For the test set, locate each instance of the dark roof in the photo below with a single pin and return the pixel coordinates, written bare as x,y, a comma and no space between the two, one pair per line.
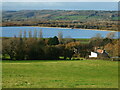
103,55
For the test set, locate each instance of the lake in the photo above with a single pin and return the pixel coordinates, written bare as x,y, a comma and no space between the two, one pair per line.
51,32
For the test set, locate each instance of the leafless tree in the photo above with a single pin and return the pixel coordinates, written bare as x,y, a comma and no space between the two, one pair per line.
30,34
110,35
60,36
40,34
24,34
35,34
20,34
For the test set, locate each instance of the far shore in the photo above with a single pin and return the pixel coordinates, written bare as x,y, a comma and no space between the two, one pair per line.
62,28
78,28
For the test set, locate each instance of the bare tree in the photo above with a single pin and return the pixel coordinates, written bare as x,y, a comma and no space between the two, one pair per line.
24,34
110,35
35,34
98,35
60,36
20,34
40,34
97,40
30,34
14,36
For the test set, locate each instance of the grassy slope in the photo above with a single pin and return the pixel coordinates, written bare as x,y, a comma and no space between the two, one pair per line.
59,14
60,74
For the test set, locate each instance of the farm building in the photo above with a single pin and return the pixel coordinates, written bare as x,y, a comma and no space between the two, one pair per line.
99,54
93,55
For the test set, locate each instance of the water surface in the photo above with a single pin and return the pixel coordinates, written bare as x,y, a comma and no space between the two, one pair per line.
51,32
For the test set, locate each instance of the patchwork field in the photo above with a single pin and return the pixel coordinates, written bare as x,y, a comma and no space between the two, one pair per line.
60,74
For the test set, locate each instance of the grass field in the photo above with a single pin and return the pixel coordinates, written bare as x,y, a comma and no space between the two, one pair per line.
60,74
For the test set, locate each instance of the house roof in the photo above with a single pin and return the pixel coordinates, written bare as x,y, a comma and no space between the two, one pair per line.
100,50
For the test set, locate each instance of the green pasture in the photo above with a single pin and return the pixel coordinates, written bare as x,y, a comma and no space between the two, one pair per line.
60,74
71,17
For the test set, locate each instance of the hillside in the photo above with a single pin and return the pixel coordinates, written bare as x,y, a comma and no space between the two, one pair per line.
88,19
59,15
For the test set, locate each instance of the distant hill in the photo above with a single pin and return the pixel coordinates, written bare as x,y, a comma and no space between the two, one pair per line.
59,15
86,19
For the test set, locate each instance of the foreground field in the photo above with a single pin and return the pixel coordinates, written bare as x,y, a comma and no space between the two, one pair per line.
60,74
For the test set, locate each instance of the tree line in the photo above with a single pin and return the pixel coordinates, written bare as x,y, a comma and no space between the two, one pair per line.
39,48
101,25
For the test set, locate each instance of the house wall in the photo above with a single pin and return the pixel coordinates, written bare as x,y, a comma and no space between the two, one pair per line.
93,54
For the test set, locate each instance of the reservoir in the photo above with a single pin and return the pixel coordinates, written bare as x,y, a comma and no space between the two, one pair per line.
48,32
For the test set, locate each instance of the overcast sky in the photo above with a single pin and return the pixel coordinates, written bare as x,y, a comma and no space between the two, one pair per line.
60,5
59,0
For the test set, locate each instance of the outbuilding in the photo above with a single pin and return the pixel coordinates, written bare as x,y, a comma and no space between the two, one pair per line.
99,54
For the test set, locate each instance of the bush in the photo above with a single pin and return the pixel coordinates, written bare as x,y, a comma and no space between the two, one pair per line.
52,53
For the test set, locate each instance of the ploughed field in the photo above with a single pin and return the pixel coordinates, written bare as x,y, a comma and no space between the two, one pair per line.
60,74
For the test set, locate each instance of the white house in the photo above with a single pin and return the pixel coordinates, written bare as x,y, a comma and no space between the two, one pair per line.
93,54
99,54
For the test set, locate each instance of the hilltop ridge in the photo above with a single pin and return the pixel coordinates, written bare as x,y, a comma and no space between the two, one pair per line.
87,19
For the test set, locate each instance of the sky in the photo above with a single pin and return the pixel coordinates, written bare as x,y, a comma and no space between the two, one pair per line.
59,5
59,0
